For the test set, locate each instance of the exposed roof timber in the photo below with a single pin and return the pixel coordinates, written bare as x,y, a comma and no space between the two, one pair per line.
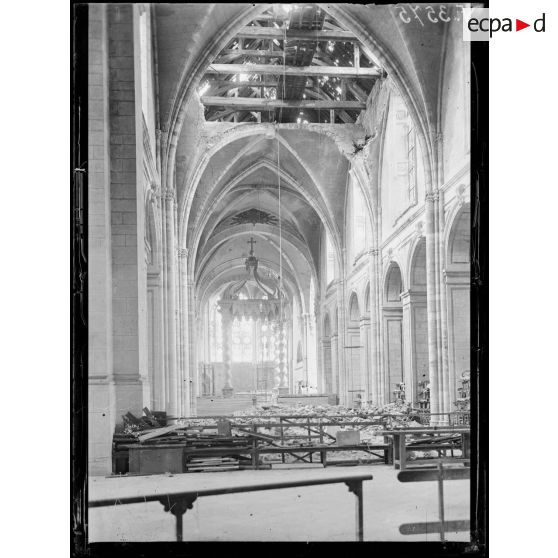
229,84
252,52
244,103
323,95
272,17
271,33
221,114
279,70
226,85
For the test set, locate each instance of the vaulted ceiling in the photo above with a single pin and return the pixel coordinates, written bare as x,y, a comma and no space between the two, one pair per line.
291,180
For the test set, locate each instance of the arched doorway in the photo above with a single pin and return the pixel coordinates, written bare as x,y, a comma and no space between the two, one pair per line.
457,274
415,322
392,317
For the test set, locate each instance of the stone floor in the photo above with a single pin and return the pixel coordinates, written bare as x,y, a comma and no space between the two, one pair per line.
321,513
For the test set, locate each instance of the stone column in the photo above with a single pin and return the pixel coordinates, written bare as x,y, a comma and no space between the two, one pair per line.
436,396
342,342
226,326
319,354
183,345
311,349
168,202
101,408
442,387
365,357
334,363
127,193
448,380
326,376
407,335
156,366
191,329
290,355
376,379
303,321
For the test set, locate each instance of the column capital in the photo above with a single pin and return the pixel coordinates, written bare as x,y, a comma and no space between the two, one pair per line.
373,252
182,253
432,196
168,194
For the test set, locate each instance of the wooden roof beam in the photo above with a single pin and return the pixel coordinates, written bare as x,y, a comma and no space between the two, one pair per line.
296,35
228,84
279,70
256,104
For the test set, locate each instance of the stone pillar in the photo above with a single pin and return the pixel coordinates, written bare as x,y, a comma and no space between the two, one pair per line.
127,188
407,334
365,357
436,396
319,354
191,330
226,326
334,363
303,321
311,349
376,373
290,355
185,390
442,383
342,342
156,342
101,411
449,380
327,373
168,204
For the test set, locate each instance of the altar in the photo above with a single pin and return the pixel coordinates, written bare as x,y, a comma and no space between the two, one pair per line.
258,310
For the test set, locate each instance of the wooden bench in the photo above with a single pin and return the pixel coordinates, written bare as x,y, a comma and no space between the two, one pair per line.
178,494
322,449
401,447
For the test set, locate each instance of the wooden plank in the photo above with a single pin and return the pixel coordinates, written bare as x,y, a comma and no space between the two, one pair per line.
107,494
425,475
229,84
159,432
278,69
435,527
248,103
431,430
295,35
252,52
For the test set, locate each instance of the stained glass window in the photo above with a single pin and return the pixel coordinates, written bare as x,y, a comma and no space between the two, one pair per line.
242,335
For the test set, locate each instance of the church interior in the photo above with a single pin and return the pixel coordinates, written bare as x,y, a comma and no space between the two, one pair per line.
278,230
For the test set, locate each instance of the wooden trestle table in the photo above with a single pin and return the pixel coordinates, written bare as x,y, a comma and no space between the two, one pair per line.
178,493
